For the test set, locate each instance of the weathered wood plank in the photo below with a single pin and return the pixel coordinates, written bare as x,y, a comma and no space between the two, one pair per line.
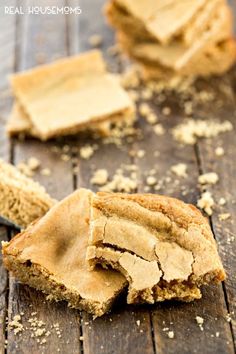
3,294
7,54
226,170
43,39
180,318
118,332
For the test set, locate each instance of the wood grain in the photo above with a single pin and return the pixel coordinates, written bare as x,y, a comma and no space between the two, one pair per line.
226,187
181,318
143,329
7,59
43,39
3,294
119,331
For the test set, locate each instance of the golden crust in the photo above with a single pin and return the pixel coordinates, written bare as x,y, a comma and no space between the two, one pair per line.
141,232
176,210
50,256
22,200
68,96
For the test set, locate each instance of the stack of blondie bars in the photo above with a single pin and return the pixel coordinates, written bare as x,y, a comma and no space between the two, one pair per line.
171,38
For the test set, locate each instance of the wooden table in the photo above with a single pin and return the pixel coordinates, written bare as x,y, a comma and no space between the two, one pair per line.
26,41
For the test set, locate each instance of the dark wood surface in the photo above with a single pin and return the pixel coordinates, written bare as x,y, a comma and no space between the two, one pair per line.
26,41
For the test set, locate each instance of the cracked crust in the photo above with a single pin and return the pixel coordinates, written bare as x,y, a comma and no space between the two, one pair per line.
139,233
50,256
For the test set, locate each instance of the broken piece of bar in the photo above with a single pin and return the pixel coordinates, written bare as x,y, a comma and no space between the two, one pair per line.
160,20
164,247
168,39
22,200
67,96
50,256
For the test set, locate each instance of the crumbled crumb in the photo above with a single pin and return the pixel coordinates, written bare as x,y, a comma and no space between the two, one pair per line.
100,177
33,163
146,93
189,131
45,172
206,202
208,178
138,323
180,170
188,107
224,216
140,153
166,111
120,183
16,324
39,332
159,129
144,109
217,334
222,201
152,118
200,321
65,157
171,334
219,151
151,180
86,152
95,40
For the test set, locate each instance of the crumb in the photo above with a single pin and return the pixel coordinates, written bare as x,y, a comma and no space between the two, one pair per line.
138,323
208,178
171,334
166,111
144,109
151,181
152,118
219,151
222,201
206,202
146,93
33,163
159,129
95,40
188,132
120,183
65,157
180,170
16,324
86,152
224,216
100,177
200,320
45,172
140,153
188,107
